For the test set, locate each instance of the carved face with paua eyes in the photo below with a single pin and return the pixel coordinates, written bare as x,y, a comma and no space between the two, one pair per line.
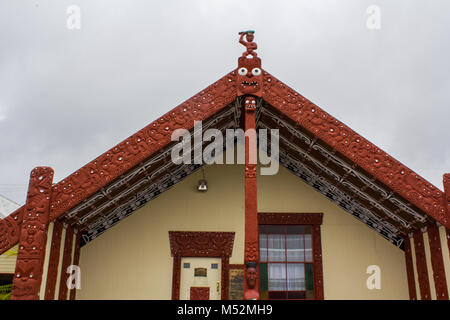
249,76
250,103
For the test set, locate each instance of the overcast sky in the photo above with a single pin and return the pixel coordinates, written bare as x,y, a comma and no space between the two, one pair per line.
66,96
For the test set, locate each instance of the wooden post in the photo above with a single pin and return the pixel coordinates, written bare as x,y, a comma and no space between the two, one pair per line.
251,274
66,262
33,236
437,263
76,261
421,263
410,269
53,264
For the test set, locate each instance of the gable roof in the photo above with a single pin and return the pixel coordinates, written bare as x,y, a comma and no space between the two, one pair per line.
390,197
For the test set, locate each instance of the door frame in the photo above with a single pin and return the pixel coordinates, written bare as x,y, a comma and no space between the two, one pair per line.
201,244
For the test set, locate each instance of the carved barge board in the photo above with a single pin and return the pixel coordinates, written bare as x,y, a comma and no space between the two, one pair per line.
33,237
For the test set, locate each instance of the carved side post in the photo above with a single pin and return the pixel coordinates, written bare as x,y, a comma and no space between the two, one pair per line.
437,263
421,264
52,272
66,261
76,261
410,269
251,276
33,236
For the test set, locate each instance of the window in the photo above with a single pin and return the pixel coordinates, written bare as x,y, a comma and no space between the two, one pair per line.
286,262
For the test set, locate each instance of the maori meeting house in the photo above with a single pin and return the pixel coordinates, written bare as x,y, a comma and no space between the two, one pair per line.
340,219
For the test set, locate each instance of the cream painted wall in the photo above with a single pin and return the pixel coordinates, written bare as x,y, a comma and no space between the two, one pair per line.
8,260
132,260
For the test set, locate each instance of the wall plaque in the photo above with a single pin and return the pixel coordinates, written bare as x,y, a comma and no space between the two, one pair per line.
200,272
236,283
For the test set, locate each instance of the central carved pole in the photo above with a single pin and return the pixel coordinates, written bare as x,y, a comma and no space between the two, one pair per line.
249,83
251,290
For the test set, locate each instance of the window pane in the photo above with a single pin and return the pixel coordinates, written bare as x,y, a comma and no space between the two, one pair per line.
263,247
276,248
309,281
295,247
296,276
277,277
308,246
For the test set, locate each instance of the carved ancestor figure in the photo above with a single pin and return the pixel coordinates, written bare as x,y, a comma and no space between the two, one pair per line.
249,74
249,44
250,277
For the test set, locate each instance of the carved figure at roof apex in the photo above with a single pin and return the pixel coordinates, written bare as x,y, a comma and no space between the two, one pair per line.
249,44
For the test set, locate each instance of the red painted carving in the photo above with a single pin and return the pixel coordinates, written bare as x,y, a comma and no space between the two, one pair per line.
317,263
421,264
225,277
410,269
446,181
66,261
52,272
251,283
249,77
33,237
199,293
200,244
249,73
357,149
10,230
437,263
176,277
249,44
290,218
76,261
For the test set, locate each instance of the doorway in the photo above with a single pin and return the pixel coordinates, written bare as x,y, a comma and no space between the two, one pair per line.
200,278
